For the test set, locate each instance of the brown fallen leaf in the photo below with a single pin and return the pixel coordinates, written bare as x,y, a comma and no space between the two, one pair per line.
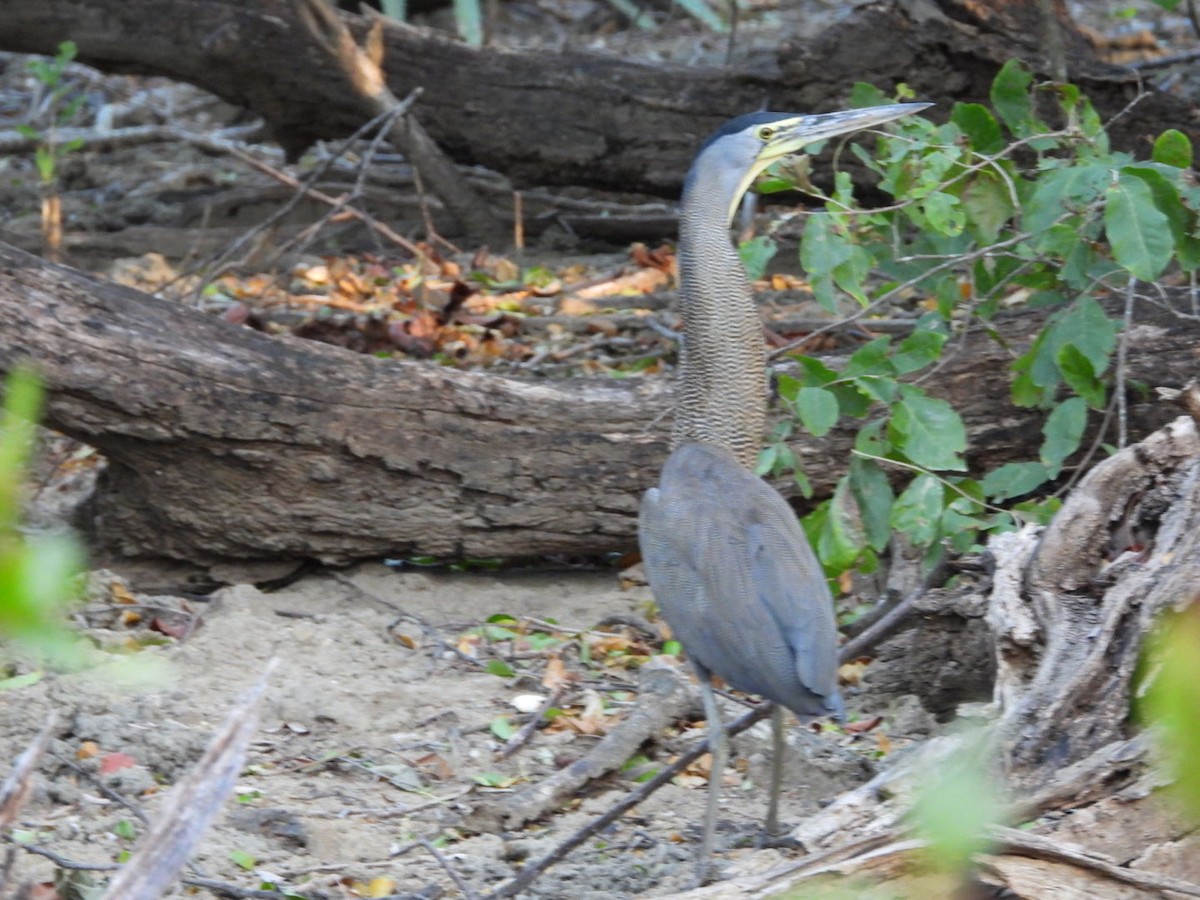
556,674
115,762
851,673
862,725
173,628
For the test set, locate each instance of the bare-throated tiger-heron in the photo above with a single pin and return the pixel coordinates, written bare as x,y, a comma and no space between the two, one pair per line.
729,566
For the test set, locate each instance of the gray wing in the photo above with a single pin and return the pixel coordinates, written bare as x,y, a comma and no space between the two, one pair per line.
737,582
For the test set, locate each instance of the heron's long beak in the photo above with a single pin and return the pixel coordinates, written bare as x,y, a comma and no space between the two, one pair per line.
792,135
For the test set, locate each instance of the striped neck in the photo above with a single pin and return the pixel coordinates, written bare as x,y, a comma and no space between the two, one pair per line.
722,389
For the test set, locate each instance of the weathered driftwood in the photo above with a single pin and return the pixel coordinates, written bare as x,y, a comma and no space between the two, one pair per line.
224,443
666,695
570,116
1070,610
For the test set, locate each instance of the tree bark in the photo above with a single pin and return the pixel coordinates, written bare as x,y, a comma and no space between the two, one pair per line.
574,117
225,443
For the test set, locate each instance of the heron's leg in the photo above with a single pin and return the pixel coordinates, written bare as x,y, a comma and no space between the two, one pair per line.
718,746
777,747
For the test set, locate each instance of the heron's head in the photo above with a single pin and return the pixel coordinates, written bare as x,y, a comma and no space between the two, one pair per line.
745,146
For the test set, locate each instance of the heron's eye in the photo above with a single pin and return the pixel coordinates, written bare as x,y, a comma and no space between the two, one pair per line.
764,133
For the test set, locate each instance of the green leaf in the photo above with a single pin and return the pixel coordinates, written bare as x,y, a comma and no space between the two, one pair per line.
980,127
756,253
1085,326
927,430
851,275
822,249
842,538
817,409
1063,190
1079,375
874,495
1063,430
124,829
20,681
864,94
640,762
1182,220
870,439
1040,512
816,373
767,458
944,213
1014,480
851,400
1010,97
672,648
502,728
242,859
499,667
1173,148
917,351
491,779
1137,230
1088,327
870,359
988,205
918,510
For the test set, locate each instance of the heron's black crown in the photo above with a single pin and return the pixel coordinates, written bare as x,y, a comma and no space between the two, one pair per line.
742,122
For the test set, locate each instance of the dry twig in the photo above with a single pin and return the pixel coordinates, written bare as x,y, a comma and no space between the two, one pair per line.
191,804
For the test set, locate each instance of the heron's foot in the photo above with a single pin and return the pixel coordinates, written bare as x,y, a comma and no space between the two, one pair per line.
706,871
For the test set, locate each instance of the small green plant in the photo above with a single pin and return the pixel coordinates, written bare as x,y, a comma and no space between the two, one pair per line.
955,806
993,207
59,107
1171,700
37,572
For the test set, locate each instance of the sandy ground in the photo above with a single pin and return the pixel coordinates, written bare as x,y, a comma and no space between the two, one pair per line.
375,732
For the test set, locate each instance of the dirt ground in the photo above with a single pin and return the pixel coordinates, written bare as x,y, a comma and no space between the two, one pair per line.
382,723
377,731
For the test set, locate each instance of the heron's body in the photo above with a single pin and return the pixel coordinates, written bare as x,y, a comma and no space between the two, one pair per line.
738,583
728,563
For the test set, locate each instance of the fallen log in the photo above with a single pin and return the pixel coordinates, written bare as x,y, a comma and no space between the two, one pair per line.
571,116
227,444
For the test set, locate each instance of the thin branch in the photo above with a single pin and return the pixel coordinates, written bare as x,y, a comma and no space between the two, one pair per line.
521,738
891,621
16,787
450,870
1039,846
532,871
901,289
1122,347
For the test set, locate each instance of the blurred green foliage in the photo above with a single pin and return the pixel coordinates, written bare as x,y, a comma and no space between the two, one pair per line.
1171,700
37,572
